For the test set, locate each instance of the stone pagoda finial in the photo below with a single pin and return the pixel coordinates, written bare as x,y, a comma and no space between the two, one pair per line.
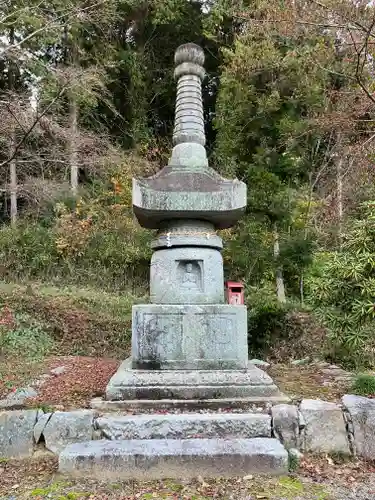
188,137
187,189
189,73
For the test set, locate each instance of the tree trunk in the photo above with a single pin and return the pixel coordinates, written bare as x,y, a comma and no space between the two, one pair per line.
70,59
13,142
280,288
72,145
13,182
340,210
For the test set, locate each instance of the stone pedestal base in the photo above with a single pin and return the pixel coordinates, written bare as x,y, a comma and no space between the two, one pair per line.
189,337
130,384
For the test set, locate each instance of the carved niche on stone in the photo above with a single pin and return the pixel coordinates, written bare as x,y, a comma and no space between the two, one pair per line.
189,275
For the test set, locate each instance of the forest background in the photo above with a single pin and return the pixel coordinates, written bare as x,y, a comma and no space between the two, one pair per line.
87,101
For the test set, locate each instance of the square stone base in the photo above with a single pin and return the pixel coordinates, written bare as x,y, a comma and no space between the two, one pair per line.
189,337
130,384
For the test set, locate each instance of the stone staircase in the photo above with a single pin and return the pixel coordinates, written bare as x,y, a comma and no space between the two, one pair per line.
184,445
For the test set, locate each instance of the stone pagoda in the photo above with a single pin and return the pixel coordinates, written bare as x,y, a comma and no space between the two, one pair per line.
189,348
187,343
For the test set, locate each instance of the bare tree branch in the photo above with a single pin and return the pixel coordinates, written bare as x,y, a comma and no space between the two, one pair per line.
55,23
32,127
361,60
6,18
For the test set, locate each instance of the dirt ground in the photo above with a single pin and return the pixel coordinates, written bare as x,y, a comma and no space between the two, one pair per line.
82,378
317,479
78,379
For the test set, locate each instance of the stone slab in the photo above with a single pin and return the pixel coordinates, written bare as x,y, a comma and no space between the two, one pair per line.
40,426
68,427
127,383
17,433
285,422
172,458
189,337
185,426
325,430
362,415
17,399
250,403
197,193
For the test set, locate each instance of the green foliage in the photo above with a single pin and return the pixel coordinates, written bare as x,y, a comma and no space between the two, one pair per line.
26,336
57,490
341,285
248,252
268,94
27,251
94,240
265,124
82,321
293,462
268,320
364,385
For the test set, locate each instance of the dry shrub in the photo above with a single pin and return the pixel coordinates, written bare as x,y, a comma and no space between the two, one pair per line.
306,338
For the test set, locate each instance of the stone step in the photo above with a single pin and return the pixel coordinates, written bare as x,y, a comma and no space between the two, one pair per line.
173,458
248,403
129,383
185,425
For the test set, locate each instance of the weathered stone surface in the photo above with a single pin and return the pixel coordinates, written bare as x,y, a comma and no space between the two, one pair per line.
325,430
299,362
259,362
64,428
59,370
189,71
285,422
252,375
185,426
187,233
188,275
335,372
248,403
197,194
17,399
189,337
362,414
16,433
42,421
172,458
189,384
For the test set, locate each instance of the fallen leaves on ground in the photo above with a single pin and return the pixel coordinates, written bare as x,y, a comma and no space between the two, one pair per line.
82,379
328,467
87,377
306,382
15,374
38,479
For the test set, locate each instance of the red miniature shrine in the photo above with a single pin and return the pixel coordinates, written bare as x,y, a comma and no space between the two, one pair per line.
235,294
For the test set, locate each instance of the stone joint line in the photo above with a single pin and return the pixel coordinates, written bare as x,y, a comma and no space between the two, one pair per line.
311,426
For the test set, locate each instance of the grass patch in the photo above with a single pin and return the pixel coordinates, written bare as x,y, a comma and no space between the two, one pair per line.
24,344
287,488
25,336
364,385
16,372
81,321
58,491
